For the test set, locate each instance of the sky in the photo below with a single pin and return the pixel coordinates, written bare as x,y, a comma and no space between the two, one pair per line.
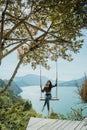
66,70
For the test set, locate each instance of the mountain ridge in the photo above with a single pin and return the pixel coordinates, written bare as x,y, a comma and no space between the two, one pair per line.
73,82
33,79
29,80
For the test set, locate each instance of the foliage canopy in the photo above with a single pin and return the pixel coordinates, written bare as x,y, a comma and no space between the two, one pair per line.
42,29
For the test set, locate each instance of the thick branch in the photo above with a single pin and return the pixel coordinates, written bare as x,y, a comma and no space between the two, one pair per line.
28,31
2,23
2,28
8,33
13,49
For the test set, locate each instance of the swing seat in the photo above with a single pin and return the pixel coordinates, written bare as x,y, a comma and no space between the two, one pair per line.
53,99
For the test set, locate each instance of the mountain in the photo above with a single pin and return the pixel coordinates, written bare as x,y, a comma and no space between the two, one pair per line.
31,80
72,82
16,90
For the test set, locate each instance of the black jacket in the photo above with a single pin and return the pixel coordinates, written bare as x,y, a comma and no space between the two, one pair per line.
48,89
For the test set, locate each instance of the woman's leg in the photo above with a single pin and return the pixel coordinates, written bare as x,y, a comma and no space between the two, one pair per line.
47,98
48,104
44,103
47,101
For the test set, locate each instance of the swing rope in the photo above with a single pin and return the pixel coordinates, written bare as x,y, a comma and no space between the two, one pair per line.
40,82
56,77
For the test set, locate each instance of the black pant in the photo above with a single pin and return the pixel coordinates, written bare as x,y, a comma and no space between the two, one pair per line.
47,98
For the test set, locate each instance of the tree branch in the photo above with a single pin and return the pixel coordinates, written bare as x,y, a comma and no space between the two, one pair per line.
2,28
13,49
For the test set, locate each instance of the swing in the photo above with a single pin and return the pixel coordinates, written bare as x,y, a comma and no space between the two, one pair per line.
56,96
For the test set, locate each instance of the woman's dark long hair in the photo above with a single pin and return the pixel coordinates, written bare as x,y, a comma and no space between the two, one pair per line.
50,86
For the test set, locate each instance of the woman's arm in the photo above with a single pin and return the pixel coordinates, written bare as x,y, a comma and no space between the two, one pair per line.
54,85
42,90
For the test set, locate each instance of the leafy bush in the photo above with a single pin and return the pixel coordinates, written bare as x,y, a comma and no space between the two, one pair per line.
54,115
72,115
15,114
83,91
75,114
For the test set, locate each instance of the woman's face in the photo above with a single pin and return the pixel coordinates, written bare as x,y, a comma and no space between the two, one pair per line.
47,84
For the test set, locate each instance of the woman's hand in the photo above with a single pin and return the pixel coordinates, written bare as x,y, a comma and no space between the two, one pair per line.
55,84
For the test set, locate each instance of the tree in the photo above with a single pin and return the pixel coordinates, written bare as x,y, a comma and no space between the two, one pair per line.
82,91
39,30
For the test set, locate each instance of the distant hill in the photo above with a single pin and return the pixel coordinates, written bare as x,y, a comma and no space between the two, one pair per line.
72,82
32,79
16,90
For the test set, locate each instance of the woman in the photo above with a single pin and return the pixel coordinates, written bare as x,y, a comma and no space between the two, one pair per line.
48,95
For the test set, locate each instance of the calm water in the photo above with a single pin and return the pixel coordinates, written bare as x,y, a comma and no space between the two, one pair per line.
68,98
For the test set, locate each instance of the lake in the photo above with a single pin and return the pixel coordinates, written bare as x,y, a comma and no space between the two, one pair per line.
68,98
